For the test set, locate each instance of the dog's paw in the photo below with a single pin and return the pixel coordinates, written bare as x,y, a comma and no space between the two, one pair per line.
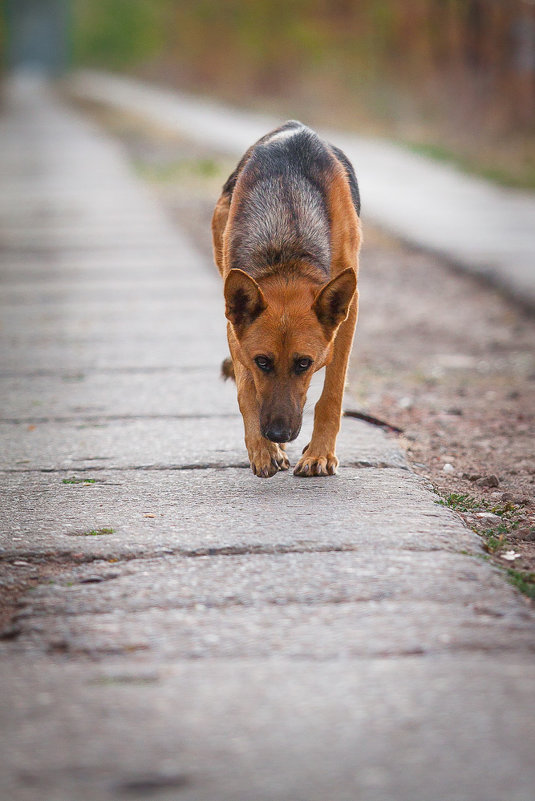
267,459
310,465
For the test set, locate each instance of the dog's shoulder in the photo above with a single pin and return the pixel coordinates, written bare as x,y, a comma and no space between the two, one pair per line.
292,151
350,175
277,134
281,199
293,147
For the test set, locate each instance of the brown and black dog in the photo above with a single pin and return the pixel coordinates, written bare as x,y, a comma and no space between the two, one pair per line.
286,234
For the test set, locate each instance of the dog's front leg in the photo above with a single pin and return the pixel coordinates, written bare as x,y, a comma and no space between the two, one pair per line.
319,457
266,457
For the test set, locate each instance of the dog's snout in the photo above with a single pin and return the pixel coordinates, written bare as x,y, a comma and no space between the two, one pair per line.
278,431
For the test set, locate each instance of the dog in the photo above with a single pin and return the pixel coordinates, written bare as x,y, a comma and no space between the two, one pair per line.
286,236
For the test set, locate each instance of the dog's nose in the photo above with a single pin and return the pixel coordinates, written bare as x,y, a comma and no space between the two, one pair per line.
278,432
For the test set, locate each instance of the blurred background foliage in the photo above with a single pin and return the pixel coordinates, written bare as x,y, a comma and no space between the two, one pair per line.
453,78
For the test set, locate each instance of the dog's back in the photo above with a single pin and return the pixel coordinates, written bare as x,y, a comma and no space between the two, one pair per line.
280,199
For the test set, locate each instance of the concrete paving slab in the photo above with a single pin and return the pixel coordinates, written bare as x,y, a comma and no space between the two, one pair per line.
98,397
342,729
107,267
301,577
121,353
313,632
78,319
195,441
198,511
109,289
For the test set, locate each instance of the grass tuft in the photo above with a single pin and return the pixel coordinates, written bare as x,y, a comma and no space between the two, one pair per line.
461,503
98,532
525,582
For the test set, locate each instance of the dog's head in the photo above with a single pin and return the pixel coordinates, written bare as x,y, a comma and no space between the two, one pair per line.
285,332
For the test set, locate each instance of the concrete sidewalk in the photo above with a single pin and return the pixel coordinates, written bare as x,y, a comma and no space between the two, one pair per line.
222,638
479,226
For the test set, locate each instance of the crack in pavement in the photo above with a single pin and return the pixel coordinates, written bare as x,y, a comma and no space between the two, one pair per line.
96,418
205,604
73,375
363,463
125,468
76,558
63,647
30,612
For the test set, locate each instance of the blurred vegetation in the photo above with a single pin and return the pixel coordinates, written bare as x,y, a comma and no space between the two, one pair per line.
455,77
118,33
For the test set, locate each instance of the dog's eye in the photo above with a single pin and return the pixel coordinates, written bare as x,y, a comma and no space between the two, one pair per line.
264,363
302,365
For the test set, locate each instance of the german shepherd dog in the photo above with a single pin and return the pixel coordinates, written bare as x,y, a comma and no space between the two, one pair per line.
286,235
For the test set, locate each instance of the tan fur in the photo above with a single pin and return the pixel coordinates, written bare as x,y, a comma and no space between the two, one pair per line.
219,222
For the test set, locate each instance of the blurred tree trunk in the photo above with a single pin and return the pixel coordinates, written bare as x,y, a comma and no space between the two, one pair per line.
522,62
38,34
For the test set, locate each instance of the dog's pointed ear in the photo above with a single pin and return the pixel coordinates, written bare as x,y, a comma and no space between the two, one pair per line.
244,300
332,302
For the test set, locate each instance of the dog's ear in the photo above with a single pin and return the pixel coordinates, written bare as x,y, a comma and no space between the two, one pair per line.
244,300
332,303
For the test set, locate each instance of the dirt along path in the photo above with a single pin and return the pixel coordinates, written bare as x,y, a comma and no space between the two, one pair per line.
439,354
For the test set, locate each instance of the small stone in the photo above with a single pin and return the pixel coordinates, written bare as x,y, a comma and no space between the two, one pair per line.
405,403
507,497
488,481
448,468
510,556
92,579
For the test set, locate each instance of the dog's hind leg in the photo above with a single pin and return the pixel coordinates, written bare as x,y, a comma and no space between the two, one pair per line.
227,369
219,222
